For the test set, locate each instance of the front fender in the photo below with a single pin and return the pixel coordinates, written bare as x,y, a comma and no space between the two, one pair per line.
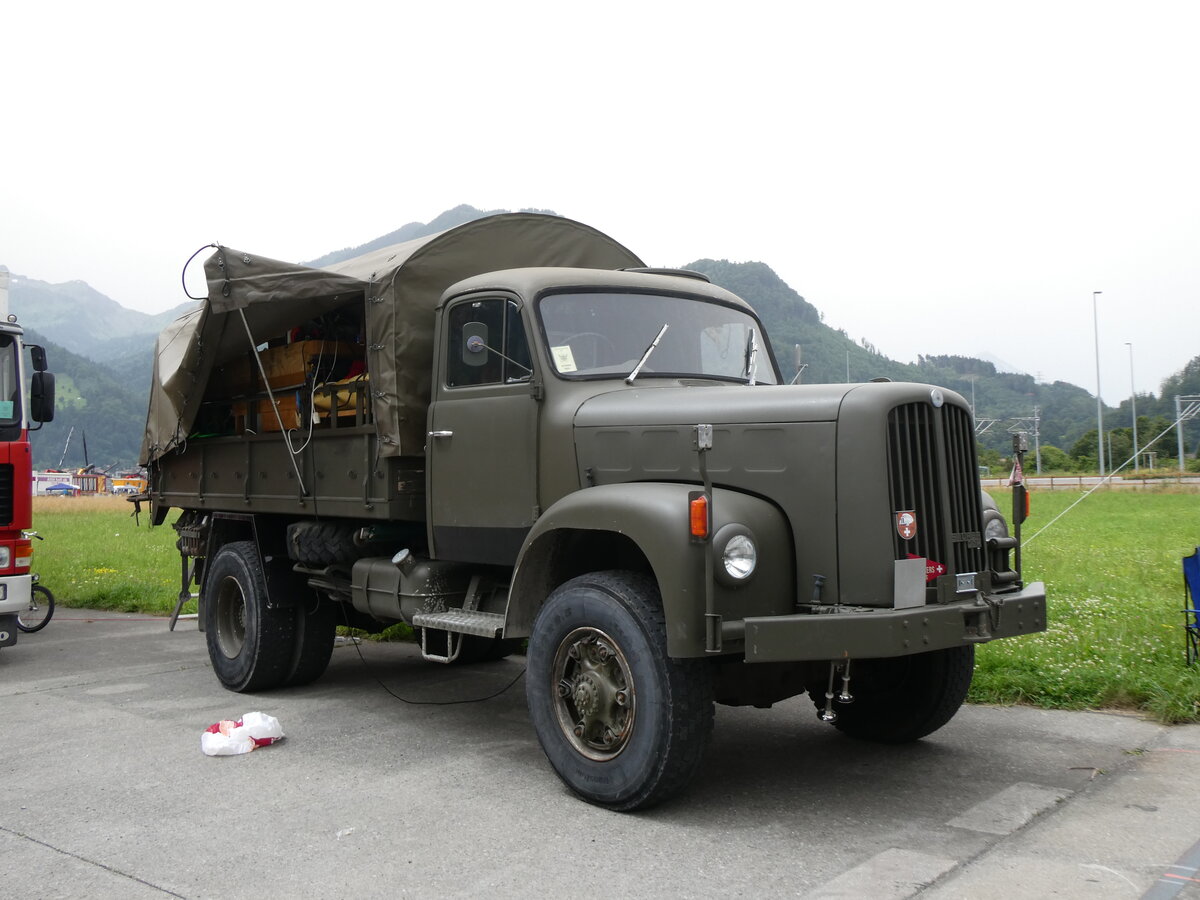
654,517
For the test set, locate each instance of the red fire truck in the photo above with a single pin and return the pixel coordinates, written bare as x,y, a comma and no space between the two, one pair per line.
17,411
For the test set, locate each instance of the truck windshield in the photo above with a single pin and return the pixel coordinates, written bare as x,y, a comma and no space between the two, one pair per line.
603,335
10,393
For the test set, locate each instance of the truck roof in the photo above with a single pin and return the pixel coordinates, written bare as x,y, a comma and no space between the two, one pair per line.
529,282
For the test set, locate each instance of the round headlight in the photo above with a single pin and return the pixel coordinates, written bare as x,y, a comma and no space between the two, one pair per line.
740,557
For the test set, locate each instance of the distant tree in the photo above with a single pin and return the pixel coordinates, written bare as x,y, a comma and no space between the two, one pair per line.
1055,460
991,458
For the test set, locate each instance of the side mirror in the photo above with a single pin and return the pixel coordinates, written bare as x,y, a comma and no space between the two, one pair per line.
38,355
474,352
41,395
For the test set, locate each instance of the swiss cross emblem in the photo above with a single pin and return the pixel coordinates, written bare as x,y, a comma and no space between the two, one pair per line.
906,524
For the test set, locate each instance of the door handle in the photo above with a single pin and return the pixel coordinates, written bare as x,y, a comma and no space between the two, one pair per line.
438,434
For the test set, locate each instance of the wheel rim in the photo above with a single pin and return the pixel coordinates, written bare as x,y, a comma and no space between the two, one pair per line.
595,696
231,618
35,613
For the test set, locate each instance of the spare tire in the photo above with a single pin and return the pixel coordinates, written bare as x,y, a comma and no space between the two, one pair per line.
319,544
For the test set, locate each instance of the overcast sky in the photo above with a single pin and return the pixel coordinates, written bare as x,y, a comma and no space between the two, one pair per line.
934,177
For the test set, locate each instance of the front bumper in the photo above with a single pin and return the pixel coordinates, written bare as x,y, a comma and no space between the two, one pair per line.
861,633
14,593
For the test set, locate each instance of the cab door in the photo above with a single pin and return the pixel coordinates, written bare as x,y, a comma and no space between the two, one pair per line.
481,446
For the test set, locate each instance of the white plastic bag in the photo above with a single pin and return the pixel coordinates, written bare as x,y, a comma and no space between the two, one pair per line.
229,738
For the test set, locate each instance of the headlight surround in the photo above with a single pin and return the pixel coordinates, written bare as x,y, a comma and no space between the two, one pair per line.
737,555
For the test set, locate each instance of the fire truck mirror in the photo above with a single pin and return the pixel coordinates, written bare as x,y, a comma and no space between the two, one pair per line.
38,355
41,396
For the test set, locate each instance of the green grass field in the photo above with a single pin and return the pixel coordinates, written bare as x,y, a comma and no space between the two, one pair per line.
1115,596
1111,567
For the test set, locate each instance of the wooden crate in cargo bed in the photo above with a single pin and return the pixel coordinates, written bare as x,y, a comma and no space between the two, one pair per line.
288,365
264,419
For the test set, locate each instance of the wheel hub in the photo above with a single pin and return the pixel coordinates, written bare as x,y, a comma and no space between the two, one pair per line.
231,618
595,693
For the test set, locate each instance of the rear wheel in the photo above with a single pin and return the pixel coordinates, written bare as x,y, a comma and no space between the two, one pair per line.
623,724
904,698
316,624
37,614
251,647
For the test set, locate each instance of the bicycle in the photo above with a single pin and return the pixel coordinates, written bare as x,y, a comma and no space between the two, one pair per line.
37,615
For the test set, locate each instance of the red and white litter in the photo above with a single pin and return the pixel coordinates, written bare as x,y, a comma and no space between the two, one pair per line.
251,731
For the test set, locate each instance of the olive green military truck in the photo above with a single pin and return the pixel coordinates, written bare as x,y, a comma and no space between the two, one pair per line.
512,435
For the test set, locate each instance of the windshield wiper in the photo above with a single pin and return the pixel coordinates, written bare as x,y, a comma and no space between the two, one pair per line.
751,358
646,355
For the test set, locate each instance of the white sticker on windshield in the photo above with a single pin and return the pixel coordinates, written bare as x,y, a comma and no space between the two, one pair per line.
564,359
6,409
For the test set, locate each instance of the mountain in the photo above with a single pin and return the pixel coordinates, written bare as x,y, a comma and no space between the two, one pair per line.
102,355
451,218
76,316
106,409
828,355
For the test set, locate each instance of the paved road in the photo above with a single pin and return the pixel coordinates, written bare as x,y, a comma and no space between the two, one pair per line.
105,792
1088,482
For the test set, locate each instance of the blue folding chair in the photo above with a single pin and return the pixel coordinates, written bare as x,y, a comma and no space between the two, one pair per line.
1191,593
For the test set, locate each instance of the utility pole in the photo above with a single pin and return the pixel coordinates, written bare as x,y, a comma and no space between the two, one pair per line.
1133,406
1099,402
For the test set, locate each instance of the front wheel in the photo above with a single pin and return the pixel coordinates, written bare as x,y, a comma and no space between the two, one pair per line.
904,698
37,615
624,725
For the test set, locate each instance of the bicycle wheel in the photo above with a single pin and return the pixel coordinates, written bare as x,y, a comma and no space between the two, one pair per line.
39,611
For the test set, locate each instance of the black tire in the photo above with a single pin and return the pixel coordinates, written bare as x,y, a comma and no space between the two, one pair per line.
904,698
316,625
37,615
623,724
251,647
322,543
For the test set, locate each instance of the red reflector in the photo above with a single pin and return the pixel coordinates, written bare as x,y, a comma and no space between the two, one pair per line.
1027,505
698,517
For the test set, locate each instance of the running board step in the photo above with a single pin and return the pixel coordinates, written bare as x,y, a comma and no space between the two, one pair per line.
447,630
462,621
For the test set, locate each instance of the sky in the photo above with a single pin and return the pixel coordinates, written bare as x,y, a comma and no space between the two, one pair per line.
935,177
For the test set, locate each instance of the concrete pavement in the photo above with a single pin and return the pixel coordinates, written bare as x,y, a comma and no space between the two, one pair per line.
106,793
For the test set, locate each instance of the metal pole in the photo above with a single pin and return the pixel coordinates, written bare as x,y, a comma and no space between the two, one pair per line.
1133,405
1037,438
1099,402
1179,429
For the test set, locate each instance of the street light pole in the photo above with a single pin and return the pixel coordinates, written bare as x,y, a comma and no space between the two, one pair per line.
1133,405
1099,402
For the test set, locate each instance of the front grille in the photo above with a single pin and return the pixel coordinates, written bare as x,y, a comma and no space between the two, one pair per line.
932,471
6,493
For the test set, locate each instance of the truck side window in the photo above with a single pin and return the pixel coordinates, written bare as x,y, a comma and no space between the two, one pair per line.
481,334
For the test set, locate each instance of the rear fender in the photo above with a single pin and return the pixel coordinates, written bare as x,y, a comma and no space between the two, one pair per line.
284,587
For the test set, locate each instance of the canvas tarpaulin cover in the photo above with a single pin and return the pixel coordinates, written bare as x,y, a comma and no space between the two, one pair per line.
397,287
